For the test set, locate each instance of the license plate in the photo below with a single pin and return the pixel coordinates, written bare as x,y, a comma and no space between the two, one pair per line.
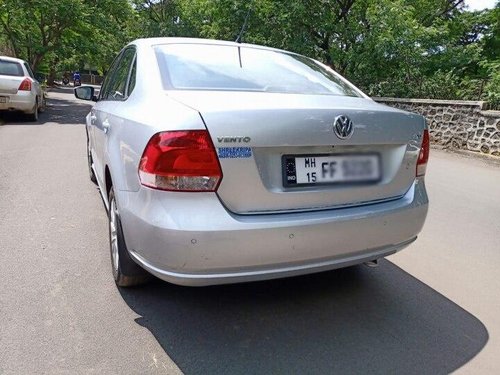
3,99
307,170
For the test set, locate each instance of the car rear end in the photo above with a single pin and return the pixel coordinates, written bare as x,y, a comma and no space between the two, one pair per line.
16,87
276,180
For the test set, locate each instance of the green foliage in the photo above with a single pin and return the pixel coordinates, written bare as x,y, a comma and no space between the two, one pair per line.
406,48
63,34
492,88
35,28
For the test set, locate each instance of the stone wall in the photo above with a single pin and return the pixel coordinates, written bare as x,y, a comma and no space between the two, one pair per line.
463,125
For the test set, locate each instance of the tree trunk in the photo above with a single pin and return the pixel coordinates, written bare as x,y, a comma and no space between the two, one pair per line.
52,71
52,76
37,59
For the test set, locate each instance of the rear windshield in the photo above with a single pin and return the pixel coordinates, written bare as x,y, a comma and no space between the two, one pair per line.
233,68
11,68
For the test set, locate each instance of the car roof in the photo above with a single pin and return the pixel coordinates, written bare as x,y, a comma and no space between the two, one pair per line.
151,42
13,59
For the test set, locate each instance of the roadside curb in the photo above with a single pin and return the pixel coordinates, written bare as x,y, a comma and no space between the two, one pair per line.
469,154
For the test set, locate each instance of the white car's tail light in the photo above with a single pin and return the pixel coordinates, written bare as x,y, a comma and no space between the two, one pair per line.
423,156
180,161
25,85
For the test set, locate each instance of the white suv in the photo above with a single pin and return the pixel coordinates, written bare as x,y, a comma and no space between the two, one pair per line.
19,90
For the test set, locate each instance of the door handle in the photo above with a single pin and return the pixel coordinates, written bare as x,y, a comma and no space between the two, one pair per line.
93,118
105,126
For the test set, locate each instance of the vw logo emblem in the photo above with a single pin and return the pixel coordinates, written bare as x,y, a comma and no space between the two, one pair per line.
343,127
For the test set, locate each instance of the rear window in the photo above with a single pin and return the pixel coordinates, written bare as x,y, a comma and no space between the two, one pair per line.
11,68
233,68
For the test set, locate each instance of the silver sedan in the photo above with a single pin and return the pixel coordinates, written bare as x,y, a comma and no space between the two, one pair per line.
221,162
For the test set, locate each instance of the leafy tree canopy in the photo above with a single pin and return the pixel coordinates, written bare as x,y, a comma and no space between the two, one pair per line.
406,48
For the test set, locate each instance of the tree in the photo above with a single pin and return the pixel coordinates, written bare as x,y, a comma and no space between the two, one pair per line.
419,48
159,18
50,34
35,28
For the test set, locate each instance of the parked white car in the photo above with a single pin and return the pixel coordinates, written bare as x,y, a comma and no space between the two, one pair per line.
19,90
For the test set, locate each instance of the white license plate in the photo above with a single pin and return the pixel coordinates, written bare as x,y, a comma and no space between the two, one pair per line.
329,169
3,99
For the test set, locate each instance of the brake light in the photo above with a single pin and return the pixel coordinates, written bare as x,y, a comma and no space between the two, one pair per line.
25,85
423,156
180,161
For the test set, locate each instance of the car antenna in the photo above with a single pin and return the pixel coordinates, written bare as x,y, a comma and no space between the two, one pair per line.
244,27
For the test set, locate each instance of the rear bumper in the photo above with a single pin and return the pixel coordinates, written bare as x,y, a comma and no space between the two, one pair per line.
191,239
23,101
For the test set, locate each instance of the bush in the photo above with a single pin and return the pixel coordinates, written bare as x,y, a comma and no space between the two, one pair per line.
492,88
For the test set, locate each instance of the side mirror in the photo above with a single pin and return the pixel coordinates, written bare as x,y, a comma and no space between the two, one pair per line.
85,93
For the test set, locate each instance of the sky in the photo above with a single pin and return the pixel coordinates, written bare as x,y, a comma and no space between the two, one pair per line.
480,4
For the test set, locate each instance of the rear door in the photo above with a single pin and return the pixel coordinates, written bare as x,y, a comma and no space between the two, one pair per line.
114,92
98,116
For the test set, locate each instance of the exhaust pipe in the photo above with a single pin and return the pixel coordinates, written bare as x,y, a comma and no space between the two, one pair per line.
371,263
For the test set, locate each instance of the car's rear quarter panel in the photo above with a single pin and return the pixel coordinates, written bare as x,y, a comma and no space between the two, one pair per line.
133,124
146,112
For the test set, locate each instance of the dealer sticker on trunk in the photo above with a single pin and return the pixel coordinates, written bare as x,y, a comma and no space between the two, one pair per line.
234,152
307,170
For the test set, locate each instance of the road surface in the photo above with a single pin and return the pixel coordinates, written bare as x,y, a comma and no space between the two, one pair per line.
433,308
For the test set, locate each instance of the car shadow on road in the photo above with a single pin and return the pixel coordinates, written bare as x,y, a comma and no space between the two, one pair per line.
354,320
59,111
67,112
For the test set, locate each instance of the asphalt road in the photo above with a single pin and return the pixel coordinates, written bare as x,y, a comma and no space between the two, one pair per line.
433,308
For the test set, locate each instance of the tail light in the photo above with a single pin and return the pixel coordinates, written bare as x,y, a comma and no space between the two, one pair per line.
25,85
423,156
180,161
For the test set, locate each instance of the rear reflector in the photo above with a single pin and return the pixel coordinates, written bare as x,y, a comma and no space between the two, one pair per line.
180,161
25,85
423,156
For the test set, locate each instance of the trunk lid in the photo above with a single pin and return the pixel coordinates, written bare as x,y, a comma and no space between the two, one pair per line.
254,131
11,76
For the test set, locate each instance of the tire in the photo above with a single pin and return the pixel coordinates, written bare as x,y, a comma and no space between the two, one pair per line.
90,162
125,271
34,116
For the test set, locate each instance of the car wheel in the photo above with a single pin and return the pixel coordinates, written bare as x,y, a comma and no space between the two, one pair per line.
90,163
125,271
34,115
